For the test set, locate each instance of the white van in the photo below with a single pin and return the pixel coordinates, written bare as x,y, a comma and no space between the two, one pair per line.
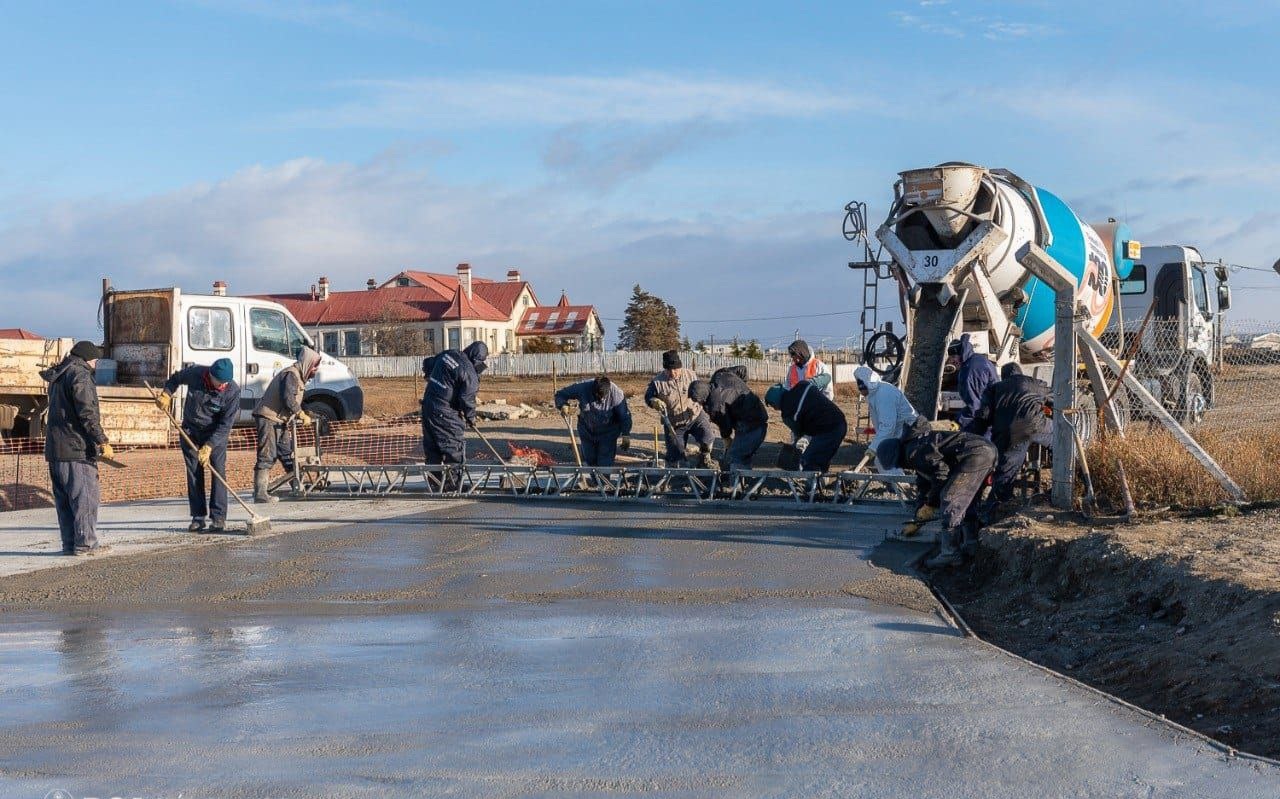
151,333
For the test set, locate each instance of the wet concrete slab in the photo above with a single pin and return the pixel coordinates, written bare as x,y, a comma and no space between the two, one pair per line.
504,649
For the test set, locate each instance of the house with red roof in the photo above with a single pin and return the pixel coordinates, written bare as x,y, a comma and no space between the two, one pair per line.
417,312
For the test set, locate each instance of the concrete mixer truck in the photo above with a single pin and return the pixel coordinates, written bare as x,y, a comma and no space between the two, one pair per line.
952,234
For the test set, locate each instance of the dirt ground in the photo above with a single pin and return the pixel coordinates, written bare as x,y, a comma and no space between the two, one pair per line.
1180,616
391,397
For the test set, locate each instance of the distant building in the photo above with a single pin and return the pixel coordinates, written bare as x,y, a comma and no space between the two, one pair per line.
424,312
12,333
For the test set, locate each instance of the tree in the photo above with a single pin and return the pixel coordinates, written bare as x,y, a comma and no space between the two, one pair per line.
701,346
753,351
736,349
392,336
650,323
542,344
685,345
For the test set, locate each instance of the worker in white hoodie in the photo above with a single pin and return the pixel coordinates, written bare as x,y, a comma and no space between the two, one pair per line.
891,414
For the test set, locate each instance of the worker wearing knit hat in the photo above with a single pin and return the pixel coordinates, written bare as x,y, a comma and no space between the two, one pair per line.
211,407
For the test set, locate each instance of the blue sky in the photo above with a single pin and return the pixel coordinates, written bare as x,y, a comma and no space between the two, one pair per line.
704,151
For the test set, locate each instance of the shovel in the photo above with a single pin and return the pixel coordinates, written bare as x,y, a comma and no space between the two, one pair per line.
476,428
256,523
573,439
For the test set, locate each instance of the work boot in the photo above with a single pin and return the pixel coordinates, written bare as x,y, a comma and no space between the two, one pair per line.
295,487
261,480
100,549
218,526
197,524
949,552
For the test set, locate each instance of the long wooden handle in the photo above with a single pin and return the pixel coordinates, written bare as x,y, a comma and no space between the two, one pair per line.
174,421
577,455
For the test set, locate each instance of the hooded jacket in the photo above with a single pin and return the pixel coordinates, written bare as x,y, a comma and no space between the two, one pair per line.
935,454
731,404
891,413
600,418
674,391
74,428
812,370
283,397
808,412
976,373
207,414
1013,406
454,381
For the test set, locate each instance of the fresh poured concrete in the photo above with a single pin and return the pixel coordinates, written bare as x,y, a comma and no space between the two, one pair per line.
499,649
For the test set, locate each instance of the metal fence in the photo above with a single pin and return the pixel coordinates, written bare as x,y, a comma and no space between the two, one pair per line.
573,363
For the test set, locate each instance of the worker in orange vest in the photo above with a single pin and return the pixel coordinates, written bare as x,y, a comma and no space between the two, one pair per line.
806,366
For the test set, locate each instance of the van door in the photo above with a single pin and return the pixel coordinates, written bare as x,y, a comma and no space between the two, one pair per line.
207,331
269,351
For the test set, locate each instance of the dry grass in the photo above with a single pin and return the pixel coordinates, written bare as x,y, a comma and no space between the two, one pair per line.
1162,473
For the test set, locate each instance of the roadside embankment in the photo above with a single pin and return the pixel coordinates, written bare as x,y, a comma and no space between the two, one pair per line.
1180,616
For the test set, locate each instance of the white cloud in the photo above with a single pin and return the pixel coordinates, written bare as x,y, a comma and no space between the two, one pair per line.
519,99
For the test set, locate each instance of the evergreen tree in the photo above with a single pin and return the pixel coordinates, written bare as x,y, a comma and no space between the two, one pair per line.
650,323
753,351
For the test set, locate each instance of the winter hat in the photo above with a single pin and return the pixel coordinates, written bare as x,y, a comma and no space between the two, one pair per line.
699,390
671,360
1009,370
86,350
773,397
222,370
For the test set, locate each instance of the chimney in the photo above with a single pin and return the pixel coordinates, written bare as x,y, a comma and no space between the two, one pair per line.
372,285
219,288
313,292
323,294
464,279
513,275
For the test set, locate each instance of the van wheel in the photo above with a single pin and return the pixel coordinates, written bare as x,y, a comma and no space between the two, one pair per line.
1195,402
323,414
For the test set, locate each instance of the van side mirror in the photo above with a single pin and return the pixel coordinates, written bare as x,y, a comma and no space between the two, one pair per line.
1224,296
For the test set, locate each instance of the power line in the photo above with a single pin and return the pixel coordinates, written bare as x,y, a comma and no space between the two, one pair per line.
801,315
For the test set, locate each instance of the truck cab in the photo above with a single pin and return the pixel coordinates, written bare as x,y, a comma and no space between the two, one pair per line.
152,333
1179,343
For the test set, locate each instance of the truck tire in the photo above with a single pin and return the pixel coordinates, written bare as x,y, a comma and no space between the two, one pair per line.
323,413
1194,401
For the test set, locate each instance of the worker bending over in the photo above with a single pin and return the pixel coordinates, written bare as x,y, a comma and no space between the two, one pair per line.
209,411
806,366
736,410
951,468
974,372
449,402
684,419
890,411
604,420
818,425
1013,409
281,403
73,442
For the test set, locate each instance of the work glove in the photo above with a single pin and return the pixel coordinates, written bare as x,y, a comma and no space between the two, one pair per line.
303,418
910,529
658,405
203,455
802,443
925,513
107,451
563,410
624,443
164,401
471,423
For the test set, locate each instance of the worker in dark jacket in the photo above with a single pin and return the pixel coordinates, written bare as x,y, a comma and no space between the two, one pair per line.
737,411
951,468
975,372
73,442
209,411
819,426
281,404
604,420
1013,409
449,402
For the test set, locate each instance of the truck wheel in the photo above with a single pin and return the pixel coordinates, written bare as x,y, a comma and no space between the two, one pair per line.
1195,402
323,414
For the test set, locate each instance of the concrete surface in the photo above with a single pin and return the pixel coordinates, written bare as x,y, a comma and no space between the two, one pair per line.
501,649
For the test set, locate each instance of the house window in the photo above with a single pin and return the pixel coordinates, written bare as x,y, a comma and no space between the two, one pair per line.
351,342
532,321
551,320
454,334
525,301
268,332
331,343
570,319
402,282
511,340
209,329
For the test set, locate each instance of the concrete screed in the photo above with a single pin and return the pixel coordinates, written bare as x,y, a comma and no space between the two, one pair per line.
498,648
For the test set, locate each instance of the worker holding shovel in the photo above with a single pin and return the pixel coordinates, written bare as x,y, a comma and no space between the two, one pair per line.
604,420
209,410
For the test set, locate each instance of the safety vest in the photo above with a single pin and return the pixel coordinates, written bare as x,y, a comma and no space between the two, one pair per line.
810,370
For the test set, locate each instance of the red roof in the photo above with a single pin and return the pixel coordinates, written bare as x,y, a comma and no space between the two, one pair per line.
501,294
473,307
555,320
19,333
409,304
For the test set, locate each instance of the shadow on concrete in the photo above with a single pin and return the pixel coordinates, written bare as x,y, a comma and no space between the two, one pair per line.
909,627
